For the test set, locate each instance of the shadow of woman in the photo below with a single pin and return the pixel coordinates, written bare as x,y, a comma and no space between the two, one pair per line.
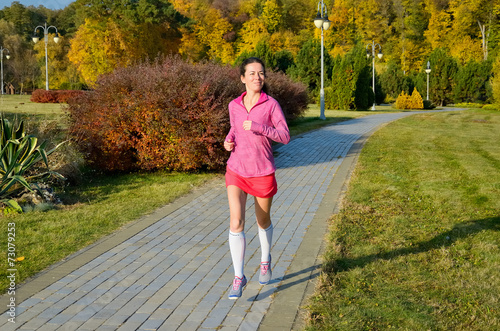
445,239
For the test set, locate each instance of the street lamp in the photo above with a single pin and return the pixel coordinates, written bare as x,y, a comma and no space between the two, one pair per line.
35,38
1,60
321,21
428,71
374,46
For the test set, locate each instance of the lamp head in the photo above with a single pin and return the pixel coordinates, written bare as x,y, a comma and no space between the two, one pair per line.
428,69
56,38
380,54
7,56
326,23
318,21
35,38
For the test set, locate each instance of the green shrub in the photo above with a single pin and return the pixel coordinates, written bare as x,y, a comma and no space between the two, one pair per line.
469,105
428,104
492,107
167,115
19,155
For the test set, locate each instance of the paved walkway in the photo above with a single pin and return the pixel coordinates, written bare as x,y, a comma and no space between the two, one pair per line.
171,270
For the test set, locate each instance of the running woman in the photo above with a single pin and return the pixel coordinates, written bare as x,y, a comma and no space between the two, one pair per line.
256,120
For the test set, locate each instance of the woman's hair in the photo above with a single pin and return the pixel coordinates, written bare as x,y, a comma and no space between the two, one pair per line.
243,68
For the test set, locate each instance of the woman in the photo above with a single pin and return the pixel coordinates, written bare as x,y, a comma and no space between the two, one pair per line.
256,119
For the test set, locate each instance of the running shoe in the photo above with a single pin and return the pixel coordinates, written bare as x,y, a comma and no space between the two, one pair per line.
237,288
265,272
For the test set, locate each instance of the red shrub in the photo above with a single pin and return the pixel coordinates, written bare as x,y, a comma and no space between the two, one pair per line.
169,115
53,96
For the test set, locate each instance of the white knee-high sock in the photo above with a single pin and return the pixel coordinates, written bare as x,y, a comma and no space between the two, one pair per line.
265,238
237,245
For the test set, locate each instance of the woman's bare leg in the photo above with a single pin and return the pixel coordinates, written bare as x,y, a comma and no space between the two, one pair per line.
237,242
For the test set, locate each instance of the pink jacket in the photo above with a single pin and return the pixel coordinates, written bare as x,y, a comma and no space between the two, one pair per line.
252,155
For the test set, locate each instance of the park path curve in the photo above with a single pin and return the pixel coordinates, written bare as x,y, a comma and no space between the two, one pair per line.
171,270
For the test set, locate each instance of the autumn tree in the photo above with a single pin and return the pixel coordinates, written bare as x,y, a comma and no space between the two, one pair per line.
115,35
472,21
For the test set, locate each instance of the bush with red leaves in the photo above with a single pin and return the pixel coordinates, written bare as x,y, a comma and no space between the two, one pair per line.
53,96
166,115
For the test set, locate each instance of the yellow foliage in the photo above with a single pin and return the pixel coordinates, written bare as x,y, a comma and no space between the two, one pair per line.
271,15
495,80
284,40
251,33
465,49
413,101
438,32
211,31
96,49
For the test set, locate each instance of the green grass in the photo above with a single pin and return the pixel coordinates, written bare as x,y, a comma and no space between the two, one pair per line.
416,243
22,106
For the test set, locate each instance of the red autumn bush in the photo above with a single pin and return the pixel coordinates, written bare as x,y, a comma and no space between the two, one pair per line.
53,96
166,115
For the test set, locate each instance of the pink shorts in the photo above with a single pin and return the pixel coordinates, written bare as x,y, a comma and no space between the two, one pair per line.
261,187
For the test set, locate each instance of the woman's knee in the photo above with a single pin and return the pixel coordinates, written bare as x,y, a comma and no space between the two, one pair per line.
237,225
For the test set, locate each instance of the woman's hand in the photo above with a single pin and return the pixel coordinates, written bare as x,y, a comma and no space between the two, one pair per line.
229,145
247,125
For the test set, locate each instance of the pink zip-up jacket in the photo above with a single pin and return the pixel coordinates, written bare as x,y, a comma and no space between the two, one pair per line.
252,155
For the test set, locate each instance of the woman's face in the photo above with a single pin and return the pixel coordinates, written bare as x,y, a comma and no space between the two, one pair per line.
254,77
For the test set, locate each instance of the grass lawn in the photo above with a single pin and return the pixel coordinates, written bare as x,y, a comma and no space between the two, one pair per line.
416,245
103,203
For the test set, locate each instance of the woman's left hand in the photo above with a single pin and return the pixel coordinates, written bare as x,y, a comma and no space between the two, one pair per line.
247,125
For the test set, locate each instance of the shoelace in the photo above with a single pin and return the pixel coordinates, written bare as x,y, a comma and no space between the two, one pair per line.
236,283
264,267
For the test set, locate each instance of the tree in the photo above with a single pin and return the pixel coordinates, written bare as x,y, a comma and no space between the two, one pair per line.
252,32
211,31
393,80
351,77
472,82
469,15
271,16
495,80
442,77
307,67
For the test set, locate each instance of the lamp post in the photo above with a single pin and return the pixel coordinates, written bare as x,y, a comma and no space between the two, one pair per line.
428,71
1,60
35,38
321,21
374,47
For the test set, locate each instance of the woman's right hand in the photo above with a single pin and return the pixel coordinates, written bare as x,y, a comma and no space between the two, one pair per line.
229,145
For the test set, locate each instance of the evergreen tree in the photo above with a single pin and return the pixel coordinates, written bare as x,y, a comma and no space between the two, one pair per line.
307,67
442,77
472,82
351,81
394,81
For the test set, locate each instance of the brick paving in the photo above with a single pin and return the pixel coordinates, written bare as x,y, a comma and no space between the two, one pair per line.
175,273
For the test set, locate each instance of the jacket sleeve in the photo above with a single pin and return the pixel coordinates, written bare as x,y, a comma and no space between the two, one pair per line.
278,131
231,135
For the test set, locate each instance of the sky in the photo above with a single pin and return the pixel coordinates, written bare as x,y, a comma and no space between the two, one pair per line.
52,4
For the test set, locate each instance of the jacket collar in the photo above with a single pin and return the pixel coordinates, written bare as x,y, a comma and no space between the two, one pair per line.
263,98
